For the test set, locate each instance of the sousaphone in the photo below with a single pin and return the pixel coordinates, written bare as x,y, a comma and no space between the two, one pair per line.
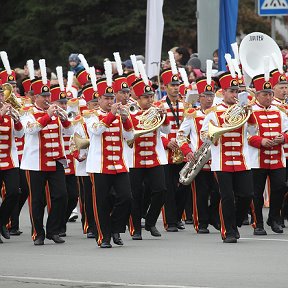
252,50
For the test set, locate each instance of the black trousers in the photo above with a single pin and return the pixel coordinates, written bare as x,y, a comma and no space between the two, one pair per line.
88,221
58,195
234,186
206,189
176,195
277,191
111,220
10,178
22,197
72,198
156,178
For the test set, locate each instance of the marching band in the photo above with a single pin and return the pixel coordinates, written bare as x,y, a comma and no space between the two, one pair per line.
126,155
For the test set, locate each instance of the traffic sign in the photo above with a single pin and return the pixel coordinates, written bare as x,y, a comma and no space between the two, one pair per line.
272,7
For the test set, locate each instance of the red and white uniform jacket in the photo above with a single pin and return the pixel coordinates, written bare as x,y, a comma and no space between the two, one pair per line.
107,133
20,146
231,152
8,151
283,107
80,163
191,127
44,143
70,169
148,150
271,122
173,123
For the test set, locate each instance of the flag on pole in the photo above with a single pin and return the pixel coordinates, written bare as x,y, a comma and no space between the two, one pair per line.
228,13
154,35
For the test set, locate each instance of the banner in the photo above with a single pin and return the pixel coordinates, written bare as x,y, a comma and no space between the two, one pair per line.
228,15
154,35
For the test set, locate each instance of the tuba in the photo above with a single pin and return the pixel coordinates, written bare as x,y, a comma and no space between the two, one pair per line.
253,48
192,168
150,120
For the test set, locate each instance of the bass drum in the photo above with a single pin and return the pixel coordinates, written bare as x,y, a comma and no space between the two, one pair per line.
253,48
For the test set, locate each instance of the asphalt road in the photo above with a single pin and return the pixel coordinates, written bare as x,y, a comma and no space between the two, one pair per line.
182,259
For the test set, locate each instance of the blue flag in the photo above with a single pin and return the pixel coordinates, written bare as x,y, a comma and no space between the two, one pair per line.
227,30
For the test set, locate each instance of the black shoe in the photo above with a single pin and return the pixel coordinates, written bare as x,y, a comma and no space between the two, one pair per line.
189,222
4,232
172,229
39,241
237,234
153,230
62,234
105,245
216,225
56,238
117,239
275,227
73,217
1,242
230,239
91,235
258,231
203,231
246,221
15,232
137,236
180,225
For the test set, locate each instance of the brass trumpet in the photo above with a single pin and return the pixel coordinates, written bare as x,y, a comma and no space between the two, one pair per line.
64,115
12,112
10,98
126,110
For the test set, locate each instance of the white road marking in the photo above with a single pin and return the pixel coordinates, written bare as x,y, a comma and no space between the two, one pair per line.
12,277
265,239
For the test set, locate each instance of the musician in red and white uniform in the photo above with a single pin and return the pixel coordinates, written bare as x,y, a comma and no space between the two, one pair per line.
176,194
24,189
13,223
10,128
146,162
43,158
205,185
267,154
230,161
80,155
108,164
59,97
280,88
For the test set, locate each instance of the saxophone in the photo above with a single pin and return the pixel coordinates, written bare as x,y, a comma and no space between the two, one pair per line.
234,117
193,167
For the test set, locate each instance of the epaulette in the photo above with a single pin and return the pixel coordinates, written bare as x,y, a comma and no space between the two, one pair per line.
26,110
77,119
211,109
89,113
157,103
73,102
281,108
190,113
